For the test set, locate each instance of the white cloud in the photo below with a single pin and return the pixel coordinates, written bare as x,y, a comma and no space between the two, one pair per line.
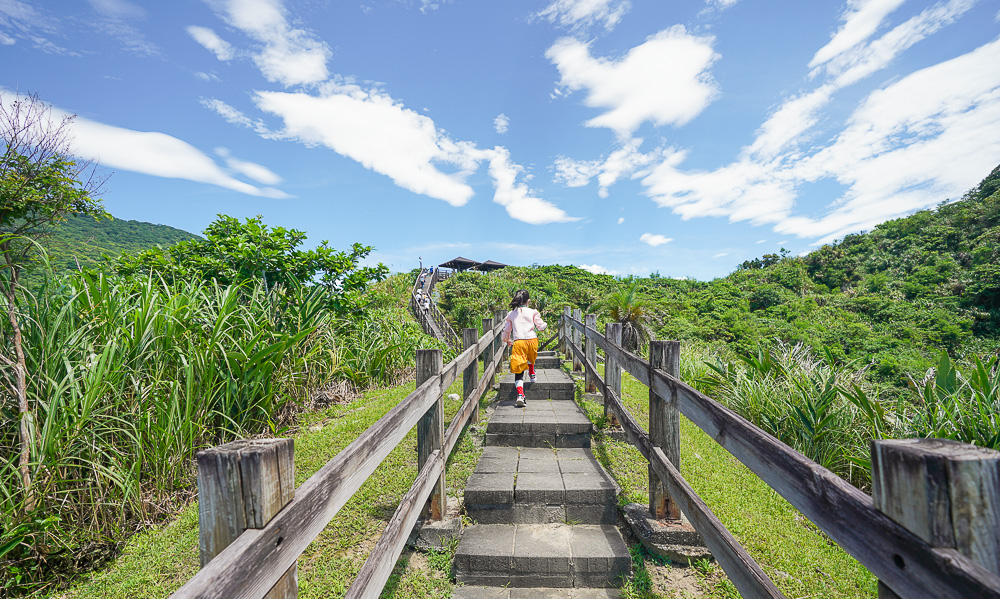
863,60
501,123
381,134
251,170
721,4
222,49
289,56
908,146
147,152
654,239
664,80
625,161
760,241
787,124
621,219
206,76
720,255
157,154
235,117
597,269
115,20
427,5
862,18
519,201
581,14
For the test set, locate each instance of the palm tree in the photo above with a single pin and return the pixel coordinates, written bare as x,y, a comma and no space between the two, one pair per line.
624,307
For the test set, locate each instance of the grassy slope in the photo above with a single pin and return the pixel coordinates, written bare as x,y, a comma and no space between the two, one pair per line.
795,554
156,563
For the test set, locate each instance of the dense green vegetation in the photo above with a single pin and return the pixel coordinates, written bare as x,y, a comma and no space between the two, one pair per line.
129,373
828,350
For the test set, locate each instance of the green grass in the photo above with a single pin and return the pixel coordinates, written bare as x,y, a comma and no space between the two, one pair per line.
157,562
800,559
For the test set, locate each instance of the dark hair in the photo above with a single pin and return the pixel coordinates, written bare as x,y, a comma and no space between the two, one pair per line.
520,299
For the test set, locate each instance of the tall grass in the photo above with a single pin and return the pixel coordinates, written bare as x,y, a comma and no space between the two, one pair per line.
128,379
830,413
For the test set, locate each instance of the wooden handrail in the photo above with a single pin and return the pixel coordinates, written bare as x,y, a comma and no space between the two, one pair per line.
746,574
251,564
910,566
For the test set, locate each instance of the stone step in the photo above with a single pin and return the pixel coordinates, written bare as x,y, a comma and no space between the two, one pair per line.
540,423
540,485
546,353
548,362
477,592
549,384
542,555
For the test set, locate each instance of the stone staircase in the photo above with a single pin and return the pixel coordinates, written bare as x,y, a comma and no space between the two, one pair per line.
545,509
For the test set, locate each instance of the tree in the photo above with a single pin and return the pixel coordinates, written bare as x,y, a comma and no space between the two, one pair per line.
233,252
40,184
624,307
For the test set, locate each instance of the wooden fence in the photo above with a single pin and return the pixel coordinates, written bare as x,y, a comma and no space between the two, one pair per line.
441,328
253,525
930,530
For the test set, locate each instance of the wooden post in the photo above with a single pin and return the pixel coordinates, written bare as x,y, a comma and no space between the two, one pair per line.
664,426
945,492
470,376
577,364
430,431
488,353
564,332
243,485
590,320
498,345
612,371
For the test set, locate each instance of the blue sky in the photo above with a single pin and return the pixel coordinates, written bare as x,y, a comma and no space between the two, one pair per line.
626,137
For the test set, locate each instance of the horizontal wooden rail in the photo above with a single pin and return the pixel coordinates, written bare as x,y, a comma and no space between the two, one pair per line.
745,573
910,566
375,572
252,563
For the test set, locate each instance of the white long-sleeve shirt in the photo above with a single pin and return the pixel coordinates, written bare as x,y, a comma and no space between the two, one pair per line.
521,324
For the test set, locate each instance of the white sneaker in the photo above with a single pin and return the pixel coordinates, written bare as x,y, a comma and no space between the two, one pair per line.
532,378
520,400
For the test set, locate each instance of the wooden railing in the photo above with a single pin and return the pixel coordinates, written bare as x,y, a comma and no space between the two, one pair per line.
931,529
253,525
441,328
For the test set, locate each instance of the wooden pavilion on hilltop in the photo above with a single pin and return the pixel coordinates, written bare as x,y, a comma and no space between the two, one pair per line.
489,266
459,264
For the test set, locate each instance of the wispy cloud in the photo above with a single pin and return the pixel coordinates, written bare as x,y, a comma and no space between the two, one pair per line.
250,170
654,239
920,139
664,80
210,40
501,123
625,161
583,14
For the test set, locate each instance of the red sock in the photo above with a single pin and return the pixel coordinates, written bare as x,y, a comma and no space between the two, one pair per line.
531,369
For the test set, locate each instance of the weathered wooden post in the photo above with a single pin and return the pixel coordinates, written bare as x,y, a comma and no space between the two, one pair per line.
498,345
590,321
488,353
243,485
430,431
612,371
470,376
664,426
577,364
564,332
945,492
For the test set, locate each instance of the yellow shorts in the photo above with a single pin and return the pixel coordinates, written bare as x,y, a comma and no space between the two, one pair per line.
524,352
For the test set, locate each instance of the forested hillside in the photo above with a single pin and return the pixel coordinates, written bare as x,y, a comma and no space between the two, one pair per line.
83,239
891,298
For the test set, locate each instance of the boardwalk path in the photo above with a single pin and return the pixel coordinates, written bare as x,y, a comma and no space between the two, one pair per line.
545,509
